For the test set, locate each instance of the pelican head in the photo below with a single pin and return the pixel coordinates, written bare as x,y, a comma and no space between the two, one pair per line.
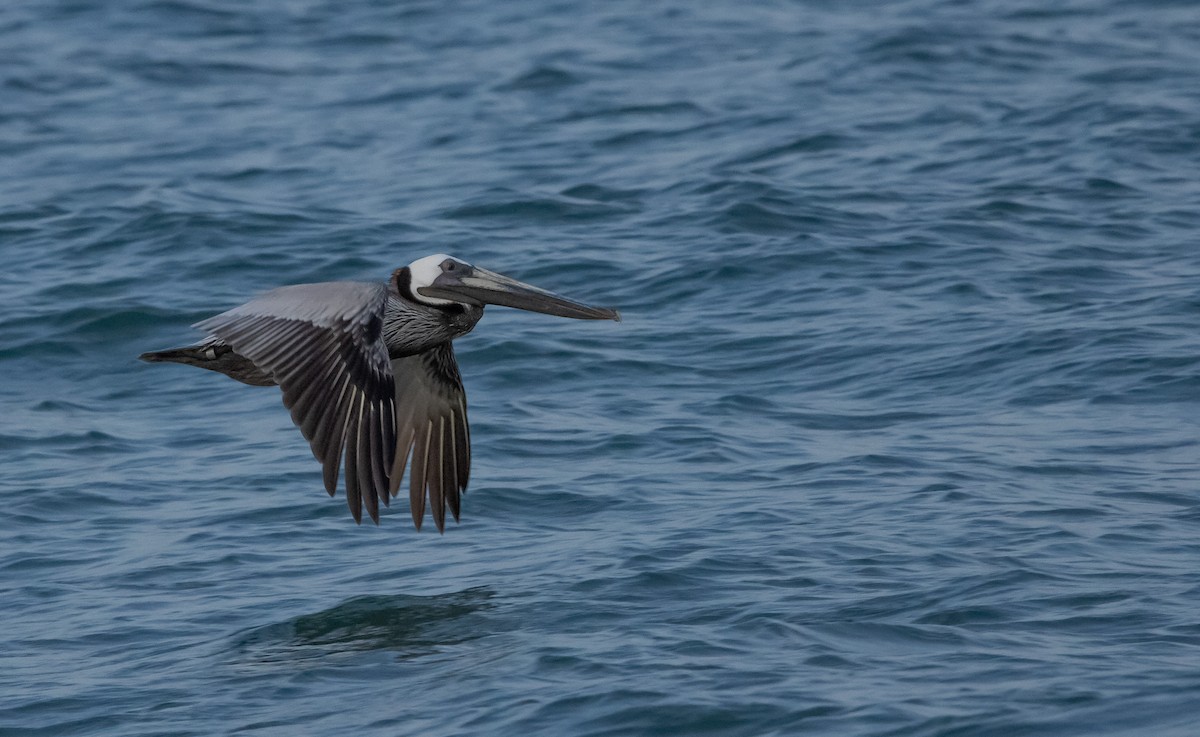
444,280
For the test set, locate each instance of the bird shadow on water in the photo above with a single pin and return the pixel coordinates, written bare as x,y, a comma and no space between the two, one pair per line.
404,626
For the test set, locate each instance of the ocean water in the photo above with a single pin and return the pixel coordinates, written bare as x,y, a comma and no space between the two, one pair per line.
899,435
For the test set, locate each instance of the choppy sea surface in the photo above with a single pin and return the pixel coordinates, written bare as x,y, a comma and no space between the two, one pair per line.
899,435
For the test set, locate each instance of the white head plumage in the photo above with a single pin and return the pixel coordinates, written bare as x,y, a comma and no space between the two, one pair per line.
424,271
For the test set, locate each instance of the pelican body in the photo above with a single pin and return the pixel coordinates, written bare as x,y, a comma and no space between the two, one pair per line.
368,372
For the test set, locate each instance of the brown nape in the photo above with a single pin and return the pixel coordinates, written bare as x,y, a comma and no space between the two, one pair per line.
220,358
402,283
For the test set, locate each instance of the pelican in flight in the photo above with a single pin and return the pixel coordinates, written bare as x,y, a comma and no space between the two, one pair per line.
367,368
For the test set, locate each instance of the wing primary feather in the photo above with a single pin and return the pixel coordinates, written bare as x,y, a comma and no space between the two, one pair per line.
366,463
362,464
315,408
416,475
353,496
387,423
318,424
385,445
449,469
378,471
316,399
403,447
316,380
437,492
464,438
331,433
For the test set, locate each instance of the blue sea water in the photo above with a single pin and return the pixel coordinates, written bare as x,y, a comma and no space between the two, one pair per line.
899,435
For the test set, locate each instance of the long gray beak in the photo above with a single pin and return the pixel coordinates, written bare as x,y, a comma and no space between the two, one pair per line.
474,285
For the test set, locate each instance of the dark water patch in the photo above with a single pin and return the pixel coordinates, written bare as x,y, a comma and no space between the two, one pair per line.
810,144
1131,74
169,72
544,77
403,625
649,110
1156,497
405,94
1005,208
1104,187
598,193
1076,514
253,173
648,137
93,441
856,423
41,212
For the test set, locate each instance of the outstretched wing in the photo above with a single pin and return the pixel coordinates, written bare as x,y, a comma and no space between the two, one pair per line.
322,344
431,426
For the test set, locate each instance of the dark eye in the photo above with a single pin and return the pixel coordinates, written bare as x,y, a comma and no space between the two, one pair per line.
448,265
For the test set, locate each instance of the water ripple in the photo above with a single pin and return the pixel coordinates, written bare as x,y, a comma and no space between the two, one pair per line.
897,436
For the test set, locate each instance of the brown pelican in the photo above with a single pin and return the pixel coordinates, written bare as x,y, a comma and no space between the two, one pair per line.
368,368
